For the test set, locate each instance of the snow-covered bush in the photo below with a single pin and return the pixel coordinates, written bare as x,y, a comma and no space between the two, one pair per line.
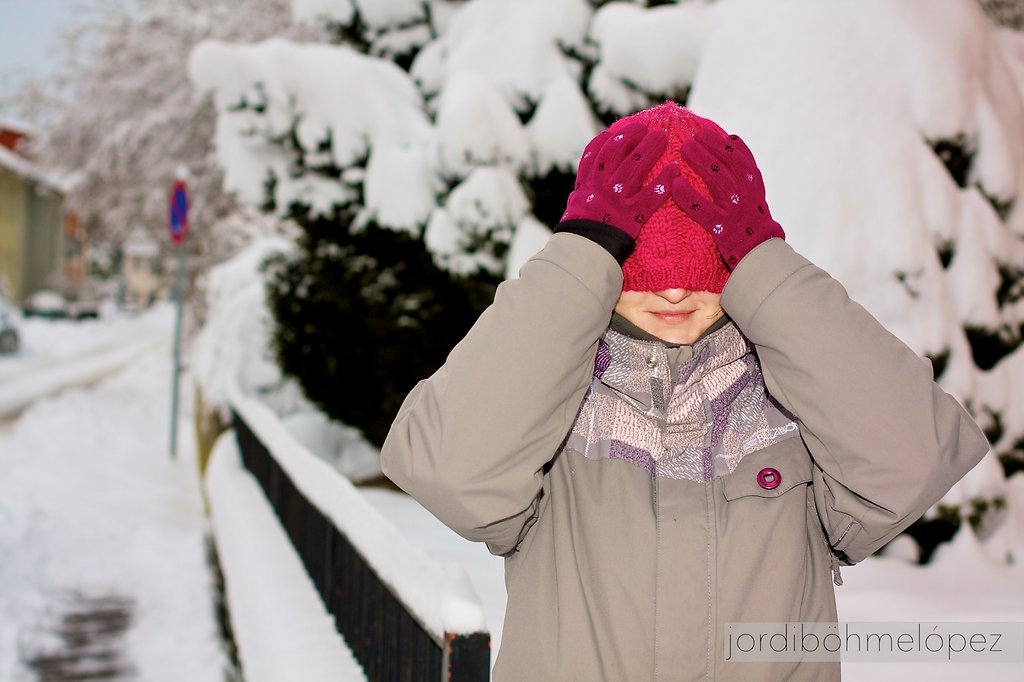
362,316
234,350
233,347
891,136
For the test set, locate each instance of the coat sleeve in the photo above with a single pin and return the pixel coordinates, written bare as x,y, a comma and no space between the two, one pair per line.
886,441
471,442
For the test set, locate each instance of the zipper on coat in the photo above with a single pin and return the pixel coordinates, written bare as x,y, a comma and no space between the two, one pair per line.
657,565
711,661
837,576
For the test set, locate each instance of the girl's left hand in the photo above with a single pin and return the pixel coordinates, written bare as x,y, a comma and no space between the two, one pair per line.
737,216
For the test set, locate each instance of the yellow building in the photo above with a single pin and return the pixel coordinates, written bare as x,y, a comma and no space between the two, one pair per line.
36,235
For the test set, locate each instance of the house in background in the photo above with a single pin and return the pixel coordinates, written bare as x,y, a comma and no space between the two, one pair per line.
139,268
42,246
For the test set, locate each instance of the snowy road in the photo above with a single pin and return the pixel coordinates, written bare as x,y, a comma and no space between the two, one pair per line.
94,515
59,354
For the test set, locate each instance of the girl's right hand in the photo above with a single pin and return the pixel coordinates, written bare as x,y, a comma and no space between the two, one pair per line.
610,185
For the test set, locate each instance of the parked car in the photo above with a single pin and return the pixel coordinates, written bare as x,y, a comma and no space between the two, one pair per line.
45,304
9,339
54,306
82,310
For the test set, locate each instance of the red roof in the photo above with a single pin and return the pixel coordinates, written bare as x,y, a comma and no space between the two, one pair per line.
11,137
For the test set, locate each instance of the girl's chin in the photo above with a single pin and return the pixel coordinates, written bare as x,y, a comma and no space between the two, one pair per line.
674,335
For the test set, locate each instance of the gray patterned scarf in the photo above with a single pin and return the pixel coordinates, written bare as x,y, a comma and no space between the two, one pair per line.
694,422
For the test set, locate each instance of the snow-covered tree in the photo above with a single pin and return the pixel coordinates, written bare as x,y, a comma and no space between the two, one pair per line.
891,136
123,115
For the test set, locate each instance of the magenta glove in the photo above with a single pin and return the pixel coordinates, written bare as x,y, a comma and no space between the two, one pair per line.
737,216
609,182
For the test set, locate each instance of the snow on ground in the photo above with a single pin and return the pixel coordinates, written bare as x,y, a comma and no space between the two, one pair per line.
91,506
58,354
46,341
343,447
446,547
963,586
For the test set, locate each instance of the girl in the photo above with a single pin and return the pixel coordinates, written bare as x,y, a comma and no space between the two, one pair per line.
672,422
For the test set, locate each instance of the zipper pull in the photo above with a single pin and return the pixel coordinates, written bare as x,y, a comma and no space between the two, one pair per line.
837,576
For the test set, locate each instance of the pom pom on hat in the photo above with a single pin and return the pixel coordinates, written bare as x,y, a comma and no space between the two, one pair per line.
673,251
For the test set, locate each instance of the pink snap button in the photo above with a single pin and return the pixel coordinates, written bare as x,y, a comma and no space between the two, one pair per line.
769,478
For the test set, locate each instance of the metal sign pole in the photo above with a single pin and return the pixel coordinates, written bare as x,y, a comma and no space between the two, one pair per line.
178,224
179,294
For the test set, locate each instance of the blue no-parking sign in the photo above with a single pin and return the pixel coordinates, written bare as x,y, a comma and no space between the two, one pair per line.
178,212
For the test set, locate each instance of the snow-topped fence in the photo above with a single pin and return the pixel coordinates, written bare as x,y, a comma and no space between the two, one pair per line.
404,617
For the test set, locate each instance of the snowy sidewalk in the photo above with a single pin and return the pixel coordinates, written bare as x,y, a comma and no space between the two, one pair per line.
101,530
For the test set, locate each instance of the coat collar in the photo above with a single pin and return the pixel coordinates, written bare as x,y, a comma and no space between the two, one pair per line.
647,370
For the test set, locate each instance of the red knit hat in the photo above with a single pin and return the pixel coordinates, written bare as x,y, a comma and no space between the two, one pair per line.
673,251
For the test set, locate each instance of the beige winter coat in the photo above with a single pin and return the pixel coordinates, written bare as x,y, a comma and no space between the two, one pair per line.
624,571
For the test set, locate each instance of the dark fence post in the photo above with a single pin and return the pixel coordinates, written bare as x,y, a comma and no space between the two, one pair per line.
383,634
467,658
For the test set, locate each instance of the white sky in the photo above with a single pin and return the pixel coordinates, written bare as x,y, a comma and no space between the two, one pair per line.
30,39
